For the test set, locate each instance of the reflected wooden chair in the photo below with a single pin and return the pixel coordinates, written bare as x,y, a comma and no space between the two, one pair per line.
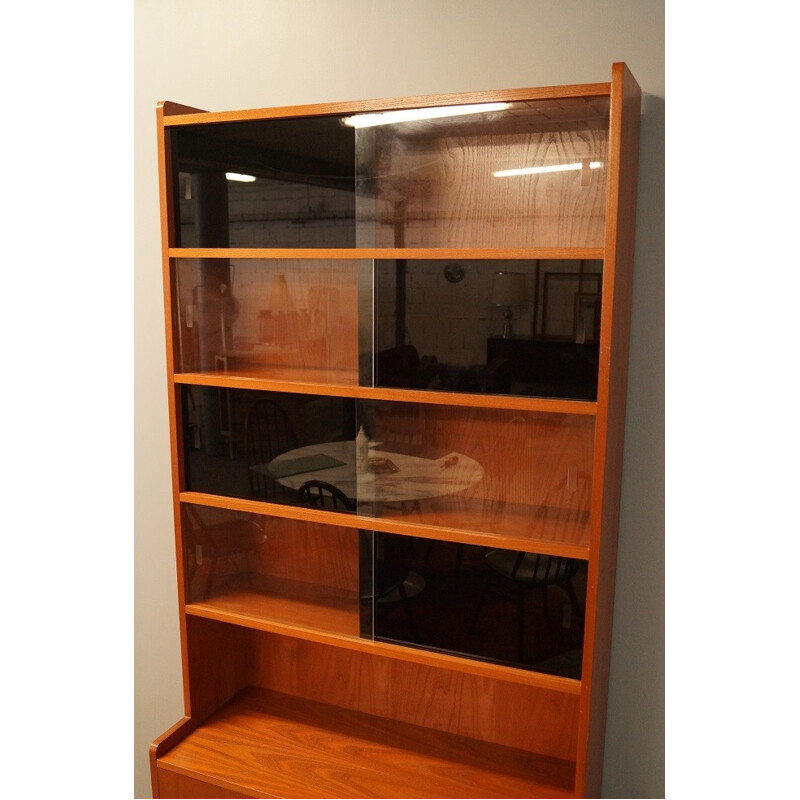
321,494
268,433
489,497
389,582
521,572
229,535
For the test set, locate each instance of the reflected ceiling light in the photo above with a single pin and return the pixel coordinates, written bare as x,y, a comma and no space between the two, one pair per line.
411,114
236,176
507,173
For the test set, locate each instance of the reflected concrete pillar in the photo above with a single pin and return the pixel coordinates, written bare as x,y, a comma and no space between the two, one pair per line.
400,276
213,301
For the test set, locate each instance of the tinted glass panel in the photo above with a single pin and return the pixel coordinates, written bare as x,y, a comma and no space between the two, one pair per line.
511,608
233,436
498,327
302,192
531,174
286,571
488,178
517,474
525,475
518,609
292,320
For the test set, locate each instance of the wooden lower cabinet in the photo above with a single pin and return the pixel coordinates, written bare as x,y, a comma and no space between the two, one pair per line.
176,784
321,721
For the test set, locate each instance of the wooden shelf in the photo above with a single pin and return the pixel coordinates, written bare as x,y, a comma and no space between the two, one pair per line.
390,253
177,114
247,611
264,744
278,604
338,383
513,530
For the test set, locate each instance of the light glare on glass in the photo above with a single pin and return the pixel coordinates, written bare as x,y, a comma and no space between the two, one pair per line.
236,176
412,114
507,173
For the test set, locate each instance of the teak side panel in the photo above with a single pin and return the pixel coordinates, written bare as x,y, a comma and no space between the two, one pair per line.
173,391
218,662
163,744
611,402
169,109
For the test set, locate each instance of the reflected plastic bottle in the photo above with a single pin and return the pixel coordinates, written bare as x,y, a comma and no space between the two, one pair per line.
362,450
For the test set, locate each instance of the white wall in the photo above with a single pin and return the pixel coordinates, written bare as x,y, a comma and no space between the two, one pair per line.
229,54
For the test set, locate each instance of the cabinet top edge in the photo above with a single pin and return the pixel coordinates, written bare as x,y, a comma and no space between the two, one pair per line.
177,114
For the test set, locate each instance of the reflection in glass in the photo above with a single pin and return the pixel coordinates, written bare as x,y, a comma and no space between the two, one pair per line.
518,609
303,194
263,445
497,472
295,320
530,175
510,473
434,325
474,180
287,571
444,326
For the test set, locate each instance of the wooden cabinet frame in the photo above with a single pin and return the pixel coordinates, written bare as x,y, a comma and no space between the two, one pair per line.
280,710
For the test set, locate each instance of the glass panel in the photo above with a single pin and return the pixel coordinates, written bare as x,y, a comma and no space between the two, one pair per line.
233,436
531,174
526,475
500,327
518,609
299,189
518,474
287,571
276,319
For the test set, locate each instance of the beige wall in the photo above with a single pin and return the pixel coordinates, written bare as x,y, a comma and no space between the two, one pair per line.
228,54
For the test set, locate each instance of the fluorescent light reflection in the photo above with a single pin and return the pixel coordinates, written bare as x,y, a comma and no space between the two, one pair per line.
507,173
236,176
412,114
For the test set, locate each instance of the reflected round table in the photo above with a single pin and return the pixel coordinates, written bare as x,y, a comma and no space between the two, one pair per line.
389,477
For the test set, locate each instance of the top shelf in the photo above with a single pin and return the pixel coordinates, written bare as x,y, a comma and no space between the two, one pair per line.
177,114
500,174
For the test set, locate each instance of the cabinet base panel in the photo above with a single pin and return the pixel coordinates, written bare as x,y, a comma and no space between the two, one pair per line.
265,744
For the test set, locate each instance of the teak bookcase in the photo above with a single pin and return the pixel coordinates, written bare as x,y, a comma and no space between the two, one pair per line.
444,629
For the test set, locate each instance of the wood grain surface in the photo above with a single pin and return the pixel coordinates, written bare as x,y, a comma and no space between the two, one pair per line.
423,691
264,743
283,697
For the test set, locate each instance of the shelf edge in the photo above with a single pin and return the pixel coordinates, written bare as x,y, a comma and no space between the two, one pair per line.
389,104
402,528
396,652
510,402
391,253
